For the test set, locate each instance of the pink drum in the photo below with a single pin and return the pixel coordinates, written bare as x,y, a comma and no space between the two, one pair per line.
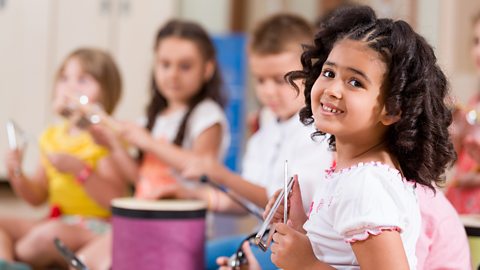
165,234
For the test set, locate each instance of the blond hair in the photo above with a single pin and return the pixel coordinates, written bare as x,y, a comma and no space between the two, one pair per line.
101,66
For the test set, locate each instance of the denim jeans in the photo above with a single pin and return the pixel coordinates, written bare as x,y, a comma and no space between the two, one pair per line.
227,246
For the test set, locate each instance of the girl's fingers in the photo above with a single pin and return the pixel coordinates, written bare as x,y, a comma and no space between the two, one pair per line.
270,203
248,251
282,229
277,238
274,247
290,223
222,261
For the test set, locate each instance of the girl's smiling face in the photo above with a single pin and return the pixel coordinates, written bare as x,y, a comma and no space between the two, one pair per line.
347,97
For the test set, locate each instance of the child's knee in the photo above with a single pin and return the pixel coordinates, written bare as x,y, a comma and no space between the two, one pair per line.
34,247
4,237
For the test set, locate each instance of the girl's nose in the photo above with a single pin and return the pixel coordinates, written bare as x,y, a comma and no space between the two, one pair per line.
173,72
71,87
269,88
334,90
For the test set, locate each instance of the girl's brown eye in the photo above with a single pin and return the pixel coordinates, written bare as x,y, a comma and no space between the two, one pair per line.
185,67
328,74
355,83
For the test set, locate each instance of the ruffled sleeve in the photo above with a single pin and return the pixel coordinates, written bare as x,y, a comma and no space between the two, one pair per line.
375,199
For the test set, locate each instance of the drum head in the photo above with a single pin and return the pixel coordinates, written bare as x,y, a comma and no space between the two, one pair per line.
161,209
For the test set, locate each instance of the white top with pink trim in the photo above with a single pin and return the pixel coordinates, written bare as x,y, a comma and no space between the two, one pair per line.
352,203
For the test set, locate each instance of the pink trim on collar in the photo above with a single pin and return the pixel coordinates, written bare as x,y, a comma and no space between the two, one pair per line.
331,172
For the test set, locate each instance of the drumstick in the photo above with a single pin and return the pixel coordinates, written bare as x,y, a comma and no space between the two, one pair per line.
251,209
68,255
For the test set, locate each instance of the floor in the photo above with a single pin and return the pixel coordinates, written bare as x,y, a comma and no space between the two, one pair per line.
11,205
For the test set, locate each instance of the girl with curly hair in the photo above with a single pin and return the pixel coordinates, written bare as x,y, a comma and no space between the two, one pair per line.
374,86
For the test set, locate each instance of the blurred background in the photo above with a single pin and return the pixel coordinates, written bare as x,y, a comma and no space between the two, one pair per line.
35,35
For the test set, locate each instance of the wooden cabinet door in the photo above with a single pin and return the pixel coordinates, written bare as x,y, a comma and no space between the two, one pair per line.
24,82
137,23
81,23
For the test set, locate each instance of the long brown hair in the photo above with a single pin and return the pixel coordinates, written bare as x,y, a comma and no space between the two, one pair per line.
210,88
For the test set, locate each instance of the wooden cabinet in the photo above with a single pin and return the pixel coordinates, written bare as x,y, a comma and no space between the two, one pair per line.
24,51
126,28
137,25
36,35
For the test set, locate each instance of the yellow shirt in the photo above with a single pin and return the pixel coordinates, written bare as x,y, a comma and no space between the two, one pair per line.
63,189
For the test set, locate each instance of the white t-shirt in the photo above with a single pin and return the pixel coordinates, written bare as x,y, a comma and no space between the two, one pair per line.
275,142
206,114
358,201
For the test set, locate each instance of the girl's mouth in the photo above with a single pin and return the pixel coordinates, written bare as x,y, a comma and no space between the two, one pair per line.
330,108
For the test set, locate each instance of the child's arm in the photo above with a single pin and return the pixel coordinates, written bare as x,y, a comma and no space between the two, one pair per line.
33,189
383,251
209,166
106,182
206,144
102,183
292,250
122,161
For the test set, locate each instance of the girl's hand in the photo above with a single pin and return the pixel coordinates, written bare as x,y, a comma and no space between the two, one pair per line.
252,261
136,135
296,212
66,163
278,216
198,166
291,249
104,136
13,162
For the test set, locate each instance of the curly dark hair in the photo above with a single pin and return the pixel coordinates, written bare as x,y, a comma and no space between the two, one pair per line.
414,88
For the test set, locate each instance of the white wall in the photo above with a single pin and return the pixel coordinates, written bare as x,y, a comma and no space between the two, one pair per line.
214,15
